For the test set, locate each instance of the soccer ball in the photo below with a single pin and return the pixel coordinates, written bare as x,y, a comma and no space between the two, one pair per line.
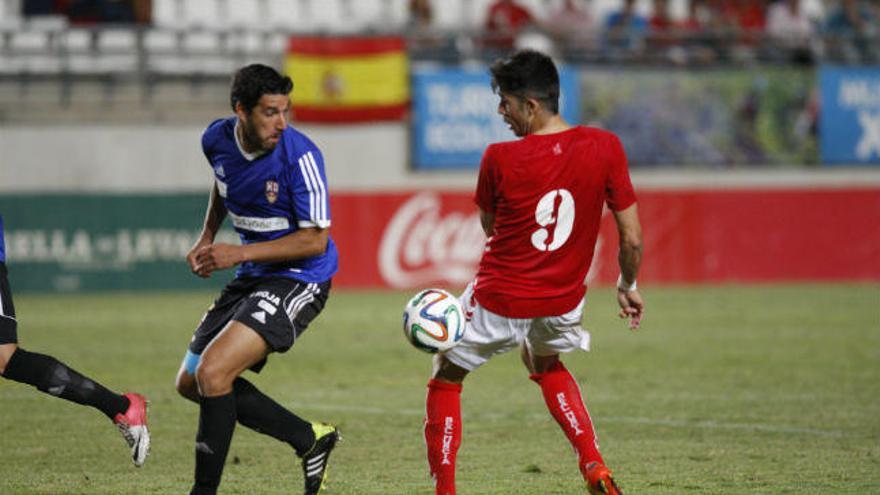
433,321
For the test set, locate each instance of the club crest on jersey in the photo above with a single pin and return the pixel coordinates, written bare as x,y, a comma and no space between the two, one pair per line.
271,191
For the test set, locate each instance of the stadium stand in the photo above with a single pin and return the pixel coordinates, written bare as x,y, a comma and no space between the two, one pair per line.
192,45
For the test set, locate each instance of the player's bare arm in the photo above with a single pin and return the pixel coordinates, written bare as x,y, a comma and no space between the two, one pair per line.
303,243
213,220
487,220
629,257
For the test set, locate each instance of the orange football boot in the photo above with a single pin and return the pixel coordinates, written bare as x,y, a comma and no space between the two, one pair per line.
600,480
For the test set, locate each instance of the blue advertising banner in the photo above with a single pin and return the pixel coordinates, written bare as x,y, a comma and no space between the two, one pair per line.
455,115
849,126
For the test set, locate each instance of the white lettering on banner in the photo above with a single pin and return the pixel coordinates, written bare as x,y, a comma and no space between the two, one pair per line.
463,136
463,100
870,140
859,93
256,224
420,246
49,246
145,245
111,250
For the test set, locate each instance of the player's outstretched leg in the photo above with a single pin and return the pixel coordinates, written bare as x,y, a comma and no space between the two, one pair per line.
443,433
315,461
312,442
566,404
55,378
260,413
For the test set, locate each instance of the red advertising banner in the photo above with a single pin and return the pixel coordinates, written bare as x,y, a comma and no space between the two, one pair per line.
432,238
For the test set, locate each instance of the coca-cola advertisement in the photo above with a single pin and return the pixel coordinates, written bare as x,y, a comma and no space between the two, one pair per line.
416,239
407,239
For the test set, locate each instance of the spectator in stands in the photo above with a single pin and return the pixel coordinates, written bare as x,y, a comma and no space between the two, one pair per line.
143,11
662,30
504,21
109,11
423,40
625,31
571,26
664,36
38,7
851,28
750,17
421,16
791,31
698,17
661,23
739,25
695,34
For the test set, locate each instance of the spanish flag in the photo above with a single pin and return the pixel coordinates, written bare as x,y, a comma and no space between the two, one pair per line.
348,79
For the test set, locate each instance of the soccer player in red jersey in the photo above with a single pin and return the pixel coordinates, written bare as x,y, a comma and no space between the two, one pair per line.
541,199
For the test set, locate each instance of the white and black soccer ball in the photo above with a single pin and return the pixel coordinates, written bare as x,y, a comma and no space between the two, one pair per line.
433,321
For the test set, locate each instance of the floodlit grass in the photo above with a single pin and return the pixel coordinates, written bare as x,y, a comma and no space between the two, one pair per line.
726,390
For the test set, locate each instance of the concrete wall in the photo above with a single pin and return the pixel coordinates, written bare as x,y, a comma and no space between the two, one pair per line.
168,158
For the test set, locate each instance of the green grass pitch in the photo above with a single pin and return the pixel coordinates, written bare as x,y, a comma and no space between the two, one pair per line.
726,390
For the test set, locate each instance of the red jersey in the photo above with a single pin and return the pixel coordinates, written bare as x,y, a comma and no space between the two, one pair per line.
547,193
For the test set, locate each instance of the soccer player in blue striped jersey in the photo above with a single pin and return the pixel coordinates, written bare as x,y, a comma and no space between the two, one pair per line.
128,411
270,182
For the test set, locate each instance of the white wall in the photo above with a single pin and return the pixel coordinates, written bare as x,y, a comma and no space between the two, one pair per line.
372,157
169,158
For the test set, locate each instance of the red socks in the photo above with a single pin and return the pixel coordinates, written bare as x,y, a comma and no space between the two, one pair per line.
563,398
443,423
443,433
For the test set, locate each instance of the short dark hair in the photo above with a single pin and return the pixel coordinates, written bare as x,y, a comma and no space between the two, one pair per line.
528,74
253,81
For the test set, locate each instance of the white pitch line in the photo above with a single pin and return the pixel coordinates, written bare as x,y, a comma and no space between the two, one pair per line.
675,423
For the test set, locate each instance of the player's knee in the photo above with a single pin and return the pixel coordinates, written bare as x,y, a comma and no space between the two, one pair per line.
213,378
445,370
6,352
186,386
543,364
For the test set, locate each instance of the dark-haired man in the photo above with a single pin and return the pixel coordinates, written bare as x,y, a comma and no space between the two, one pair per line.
128,411
540,200
270,182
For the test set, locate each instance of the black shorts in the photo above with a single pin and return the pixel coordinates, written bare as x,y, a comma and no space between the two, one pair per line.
8,325
277,308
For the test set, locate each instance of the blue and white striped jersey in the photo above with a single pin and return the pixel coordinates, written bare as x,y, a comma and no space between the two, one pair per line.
272,195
